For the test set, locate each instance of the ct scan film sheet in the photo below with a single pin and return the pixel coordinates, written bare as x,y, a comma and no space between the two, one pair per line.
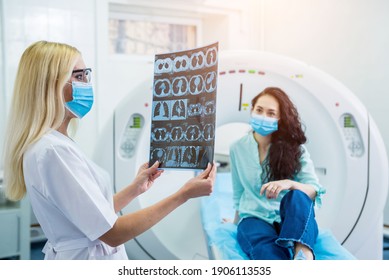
184,108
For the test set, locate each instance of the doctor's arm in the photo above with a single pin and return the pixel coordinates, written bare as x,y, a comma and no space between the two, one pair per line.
131,225
143,181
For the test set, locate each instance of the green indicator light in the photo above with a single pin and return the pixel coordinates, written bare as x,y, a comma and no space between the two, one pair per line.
348,122
251,71
136,122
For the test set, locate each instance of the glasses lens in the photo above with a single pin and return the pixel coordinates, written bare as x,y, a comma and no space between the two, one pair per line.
87,75
83,75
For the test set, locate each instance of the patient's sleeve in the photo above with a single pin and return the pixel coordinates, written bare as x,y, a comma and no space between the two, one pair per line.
307,175
236,182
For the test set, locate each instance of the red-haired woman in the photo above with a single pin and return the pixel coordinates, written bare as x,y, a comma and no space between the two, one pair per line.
274,182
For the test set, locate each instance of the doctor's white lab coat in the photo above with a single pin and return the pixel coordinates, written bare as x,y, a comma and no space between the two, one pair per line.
71,198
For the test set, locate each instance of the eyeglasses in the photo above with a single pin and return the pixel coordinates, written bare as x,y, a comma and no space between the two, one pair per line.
82,75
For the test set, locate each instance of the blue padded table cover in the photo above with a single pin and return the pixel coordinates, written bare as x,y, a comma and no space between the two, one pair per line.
221,235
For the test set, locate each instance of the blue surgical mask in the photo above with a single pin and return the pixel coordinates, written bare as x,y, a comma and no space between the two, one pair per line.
82,99
263,125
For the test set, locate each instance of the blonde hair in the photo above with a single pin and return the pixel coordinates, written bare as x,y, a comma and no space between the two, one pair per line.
37,105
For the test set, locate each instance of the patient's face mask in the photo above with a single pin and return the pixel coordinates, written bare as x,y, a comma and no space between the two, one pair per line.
263,125
82,99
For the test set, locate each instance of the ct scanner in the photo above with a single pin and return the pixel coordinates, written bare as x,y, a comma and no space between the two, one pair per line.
343,140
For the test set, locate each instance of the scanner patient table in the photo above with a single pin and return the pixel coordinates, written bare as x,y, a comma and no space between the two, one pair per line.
221,236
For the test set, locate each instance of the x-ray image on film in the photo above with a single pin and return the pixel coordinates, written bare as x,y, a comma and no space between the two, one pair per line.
184,108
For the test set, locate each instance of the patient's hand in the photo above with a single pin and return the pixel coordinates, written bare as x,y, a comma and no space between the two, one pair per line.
227,220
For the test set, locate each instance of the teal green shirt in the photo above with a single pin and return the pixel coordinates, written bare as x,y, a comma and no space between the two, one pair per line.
247,172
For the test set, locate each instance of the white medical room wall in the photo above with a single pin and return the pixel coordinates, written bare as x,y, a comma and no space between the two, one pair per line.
27,21
2,90
347,39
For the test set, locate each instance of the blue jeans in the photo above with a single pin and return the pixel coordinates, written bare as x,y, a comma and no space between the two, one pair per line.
263,241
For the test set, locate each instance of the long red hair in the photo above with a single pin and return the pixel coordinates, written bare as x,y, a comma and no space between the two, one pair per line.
283,160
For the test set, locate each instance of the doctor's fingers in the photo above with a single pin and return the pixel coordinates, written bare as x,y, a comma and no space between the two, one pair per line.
143,167
203,187
151,173
155,175
152,169
212,173
154,166
208,171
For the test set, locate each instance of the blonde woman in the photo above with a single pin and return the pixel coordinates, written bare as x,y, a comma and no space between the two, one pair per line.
70,195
